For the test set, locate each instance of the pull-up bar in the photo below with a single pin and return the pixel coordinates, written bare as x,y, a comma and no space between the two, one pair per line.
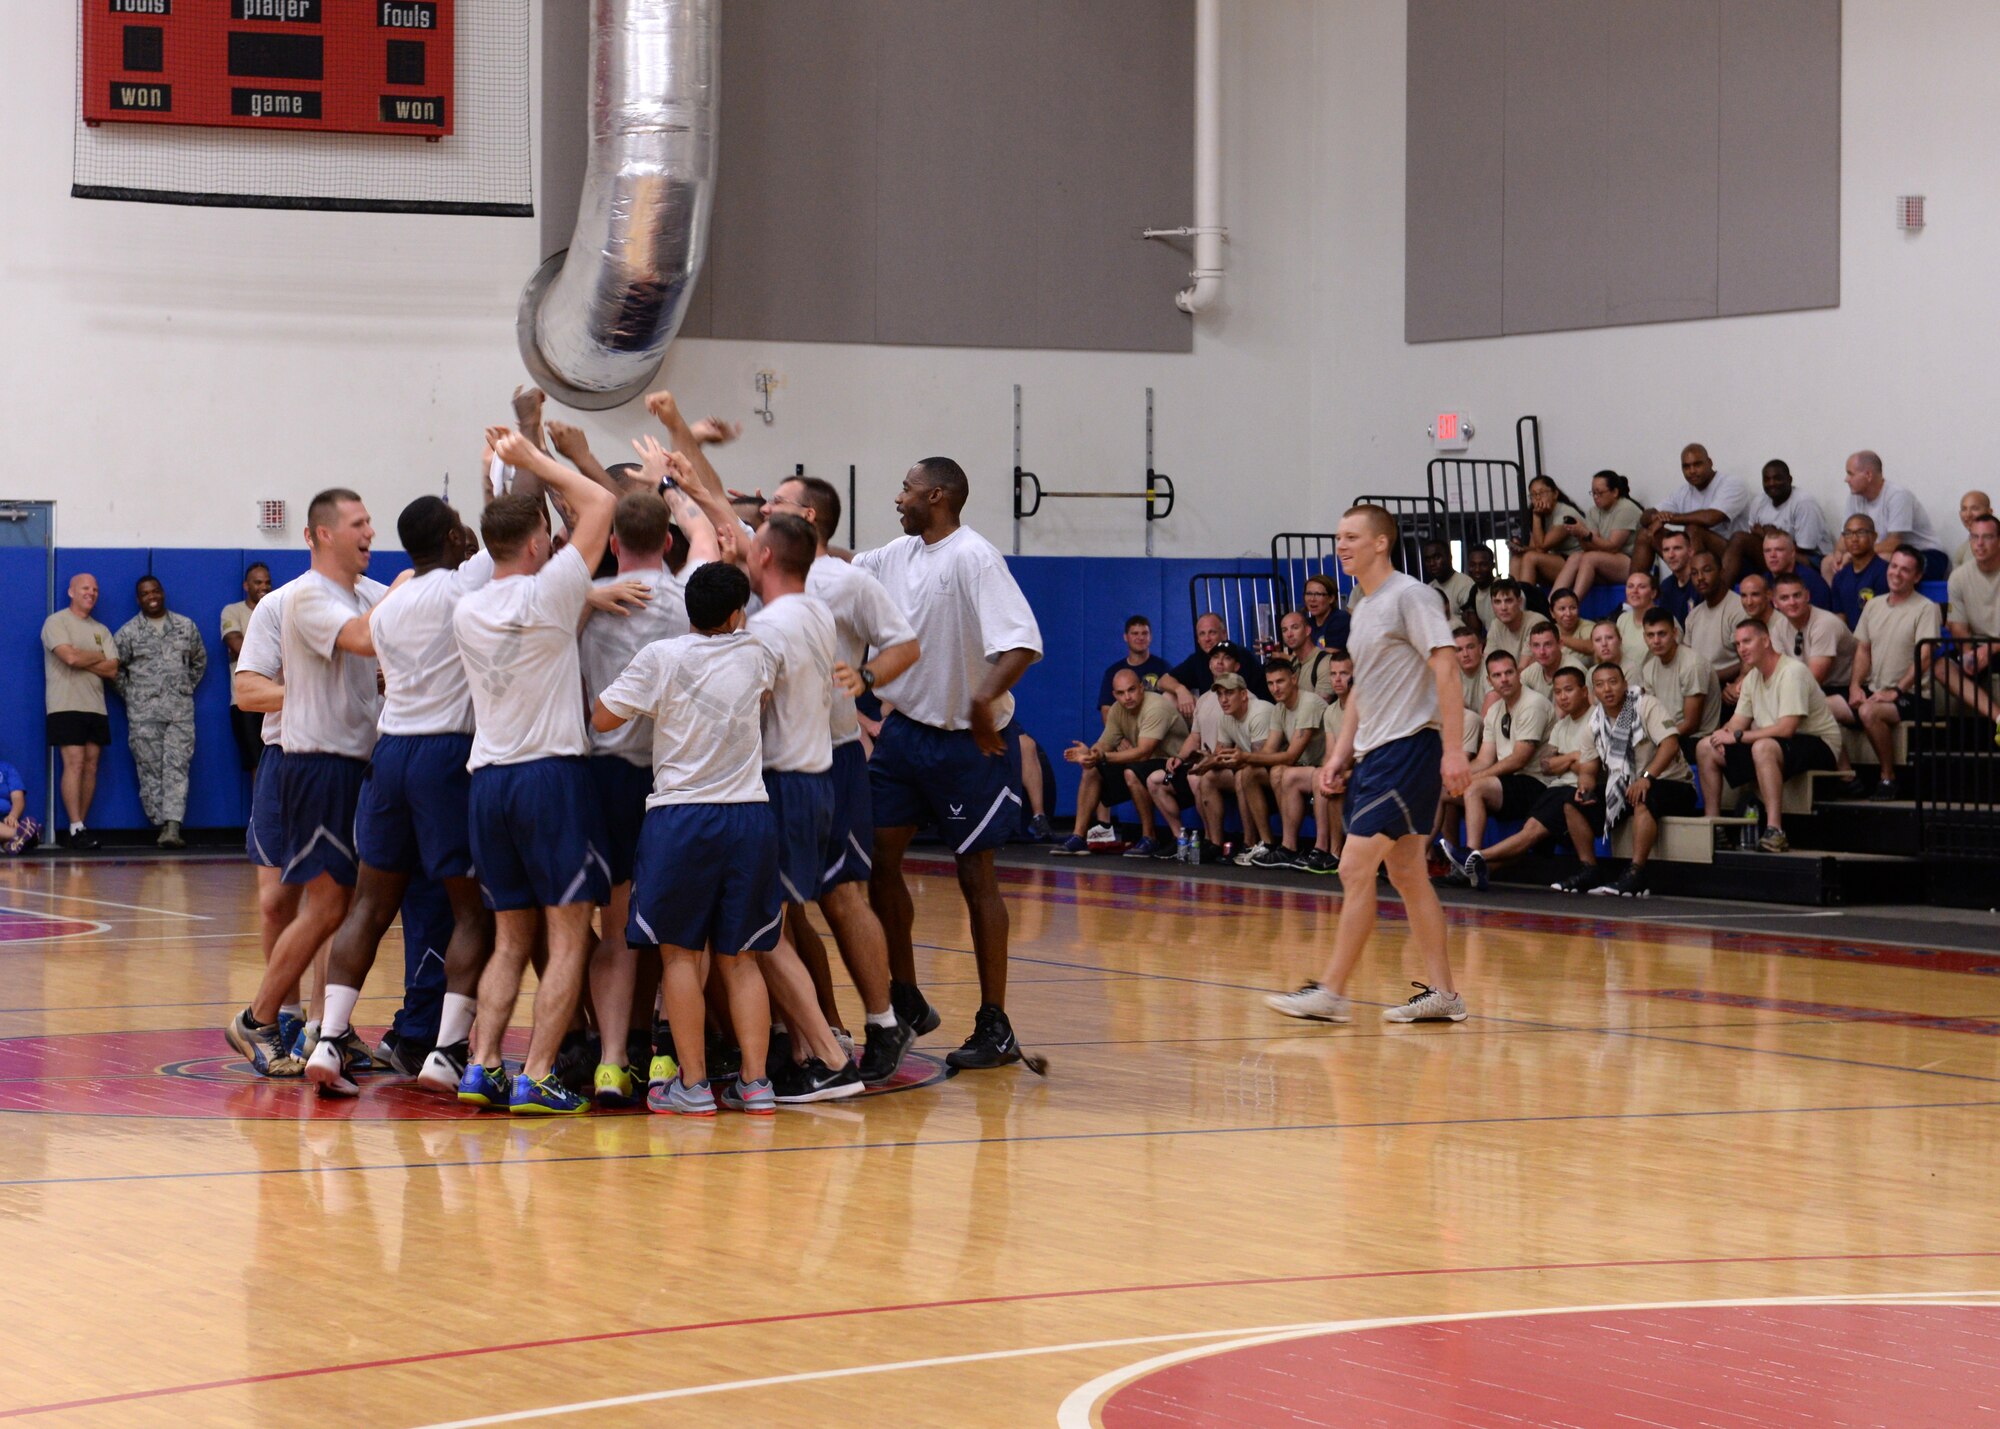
1158,493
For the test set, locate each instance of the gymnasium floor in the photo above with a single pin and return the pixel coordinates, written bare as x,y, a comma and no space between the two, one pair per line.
1668,1174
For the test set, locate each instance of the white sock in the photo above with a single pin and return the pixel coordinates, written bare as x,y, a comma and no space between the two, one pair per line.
76,826
339,1007
455,1022
777,1026
882,1019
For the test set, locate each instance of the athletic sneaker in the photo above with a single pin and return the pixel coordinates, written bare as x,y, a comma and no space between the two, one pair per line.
576,1060
354,1054
1317,860
661,1070
1101,834
795,1083
991,1044
443,1069
1071,847
326,1071
1774,841
1145,848
1166,850
1444,848
911,1007
1038,828
1273,856
883,1056
1427,1004
751,1098
845,1039
677,1098
1631,884
612,1086
1582,881
483,1086
1475,871
547,1097
259,1042
1248,856
1312,1002
292,1033
399,1054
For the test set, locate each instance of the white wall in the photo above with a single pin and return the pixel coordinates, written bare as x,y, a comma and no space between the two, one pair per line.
1903,365
168,366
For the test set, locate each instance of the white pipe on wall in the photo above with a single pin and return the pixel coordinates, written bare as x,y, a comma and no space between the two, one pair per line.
1208,230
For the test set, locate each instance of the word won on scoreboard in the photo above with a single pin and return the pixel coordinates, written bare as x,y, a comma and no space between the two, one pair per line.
345,66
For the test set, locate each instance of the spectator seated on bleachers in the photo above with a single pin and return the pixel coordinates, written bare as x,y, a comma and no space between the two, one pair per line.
1314,664
1754,590
1554,523
1326,623
1170,787
1639,771
1480,569
1193,677
1782,508
1971,507
1546,655
1246,728
1608,647
18,832
1470,646
1899,518
1676,588
1819,637
1508,630
1681,679
1862,572
1139,659
1782,728
1642,593
1564,754
1328,832
1455,586
1885,688
1291,756
1708,505
1780,557
1566,614
1511,734
1966,670
1140,730
1712,619
1611,527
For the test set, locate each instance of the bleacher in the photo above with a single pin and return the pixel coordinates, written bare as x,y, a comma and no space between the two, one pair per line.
1941,845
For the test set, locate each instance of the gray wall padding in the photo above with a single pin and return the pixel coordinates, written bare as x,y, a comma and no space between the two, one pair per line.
1592,163
968,173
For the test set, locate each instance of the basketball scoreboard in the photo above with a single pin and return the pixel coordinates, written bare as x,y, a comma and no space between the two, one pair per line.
342,66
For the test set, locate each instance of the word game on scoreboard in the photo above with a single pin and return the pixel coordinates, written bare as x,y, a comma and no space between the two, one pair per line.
343,66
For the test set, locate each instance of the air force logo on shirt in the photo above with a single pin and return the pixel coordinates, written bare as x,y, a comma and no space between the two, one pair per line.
958,811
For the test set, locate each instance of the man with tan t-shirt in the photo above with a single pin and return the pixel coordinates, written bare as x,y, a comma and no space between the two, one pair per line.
78,656
1804,631
1140,729
1712,618
1680,679
1781,729
1503,782
1546,655
248,725
1883,690
1971,506
1974,619
1569,750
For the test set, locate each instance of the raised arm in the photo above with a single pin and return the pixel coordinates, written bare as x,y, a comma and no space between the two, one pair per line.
674,477
571,444
592,503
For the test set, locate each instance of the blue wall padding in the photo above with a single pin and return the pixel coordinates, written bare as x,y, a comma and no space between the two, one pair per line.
24,576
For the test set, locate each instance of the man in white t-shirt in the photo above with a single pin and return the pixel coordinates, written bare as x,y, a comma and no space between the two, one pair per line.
707,867
1900,519
1782,510
410,821
1709,506
1403,717
797,722
874,644
941,757
330,702
537,833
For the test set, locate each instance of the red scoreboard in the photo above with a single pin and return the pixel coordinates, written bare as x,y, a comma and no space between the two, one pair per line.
345,66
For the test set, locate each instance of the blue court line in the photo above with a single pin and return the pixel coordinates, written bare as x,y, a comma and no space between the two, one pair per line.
999,1141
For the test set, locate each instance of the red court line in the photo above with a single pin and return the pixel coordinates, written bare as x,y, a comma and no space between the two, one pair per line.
797,1317
1834,1012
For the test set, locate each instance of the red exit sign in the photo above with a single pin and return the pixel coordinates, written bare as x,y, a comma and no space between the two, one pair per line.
344,66
1451,431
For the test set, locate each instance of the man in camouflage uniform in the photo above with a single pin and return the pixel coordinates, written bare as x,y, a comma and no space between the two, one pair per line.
162,660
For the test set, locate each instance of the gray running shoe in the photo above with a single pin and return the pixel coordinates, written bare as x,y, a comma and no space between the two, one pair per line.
1312,1002
1427,1005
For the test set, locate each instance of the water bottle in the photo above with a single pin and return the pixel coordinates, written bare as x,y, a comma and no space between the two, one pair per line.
1181,847
1746,837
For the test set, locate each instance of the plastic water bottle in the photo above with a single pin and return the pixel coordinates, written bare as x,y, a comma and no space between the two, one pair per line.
1746,837
1180,847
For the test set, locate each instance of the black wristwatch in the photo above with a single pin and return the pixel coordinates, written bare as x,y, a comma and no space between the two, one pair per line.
867,678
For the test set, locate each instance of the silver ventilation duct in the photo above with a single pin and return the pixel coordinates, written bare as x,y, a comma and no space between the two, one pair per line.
595,320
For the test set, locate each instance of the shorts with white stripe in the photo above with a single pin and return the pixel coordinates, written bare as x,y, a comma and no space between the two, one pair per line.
317,796
850,844
802,808
538,836
706,876
921,774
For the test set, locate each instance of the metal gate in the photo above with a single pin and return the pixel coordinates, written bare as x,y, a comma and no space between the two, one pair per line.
27,527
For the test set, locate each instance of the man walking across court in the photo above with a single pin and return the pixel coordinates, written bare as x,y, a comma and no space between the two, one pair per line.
161,661
78,656
1399,751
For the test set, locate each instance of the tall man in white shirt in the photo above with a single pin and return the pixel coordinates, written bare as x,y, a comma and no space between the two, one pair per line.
1404,721
1900,519
537,833
941,755
412,817
1709,506
330,701
1782,510
865,619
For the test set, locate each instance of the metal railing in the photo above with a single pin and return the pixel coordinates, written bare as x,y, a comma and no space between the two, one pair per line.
1953,758
1484,500
1247,601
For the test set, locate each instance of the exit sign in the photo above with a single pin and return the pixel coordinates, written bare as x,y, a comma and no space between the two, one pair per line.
1451,431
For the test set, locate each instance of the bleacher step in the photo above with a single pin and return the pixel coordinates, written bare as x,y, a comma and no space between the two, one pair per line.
1802,878
1888,826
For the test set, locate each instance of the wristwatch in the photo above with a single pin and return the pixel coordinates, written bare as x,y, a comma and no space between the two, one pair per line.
867,678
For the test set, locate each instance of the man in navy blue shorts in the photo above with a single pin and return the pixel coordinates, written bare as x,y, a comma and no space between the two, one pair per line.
941,757
1399,750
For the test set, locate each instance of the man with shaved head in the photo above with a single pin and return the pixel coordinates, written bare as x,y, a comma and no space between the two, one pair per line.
1971,506
1709,506
1900,519
78,656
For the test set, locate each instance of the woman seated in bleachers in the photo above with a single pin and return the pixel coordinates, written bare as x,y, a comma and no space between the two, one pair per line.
1605,543
1553,524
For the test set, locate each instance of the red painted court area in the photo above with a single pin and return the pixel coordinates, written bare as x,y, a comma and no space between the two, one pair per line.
1803,1366
1719,1367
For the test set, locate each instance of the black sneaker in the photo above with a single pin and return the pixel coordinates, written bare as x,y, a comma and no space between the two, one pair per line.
991,1044
910,1007
725,1058
1582,881
1273,856
779,1048
576,1062
1885,790
1631,884
1318,861
401,1055
884,1053
795,1083
84,839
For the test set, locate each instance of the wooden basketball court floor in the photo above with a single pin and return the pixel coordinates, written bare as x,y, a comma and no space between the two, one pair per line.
1668,1174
